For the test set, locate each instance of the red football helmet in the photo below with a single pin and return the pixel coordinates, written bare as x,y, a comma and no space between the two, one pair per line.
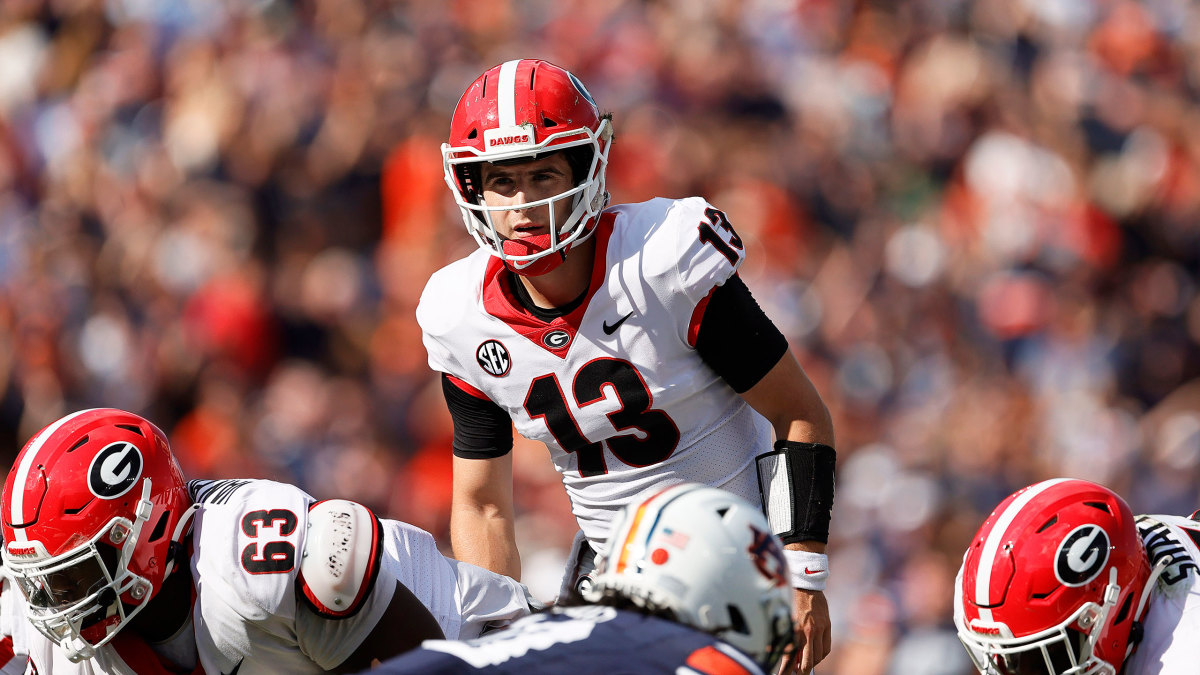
91,510
523,110
1053,582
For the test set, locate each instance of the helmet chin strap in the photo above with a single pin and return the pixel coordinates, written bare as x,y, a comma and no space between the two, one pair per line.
77,649
181,528
1159,567
1135,631
529,246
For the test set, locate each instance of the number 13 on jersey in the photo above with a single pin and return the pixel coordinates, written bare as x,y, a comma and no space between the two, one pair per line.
655,435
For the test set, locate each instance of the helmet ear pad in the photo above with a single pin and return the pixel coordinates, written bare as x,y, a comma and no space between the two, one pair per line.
579,158
469,181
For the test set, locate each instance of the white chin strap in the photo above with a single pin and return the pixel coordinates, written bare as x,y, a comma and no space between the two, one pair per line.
181,528
77,649
1159,567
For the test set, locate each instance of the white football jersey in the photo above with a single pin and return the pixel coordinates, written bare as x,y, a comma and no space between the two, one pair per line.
615,389
1172,619
13,646
247,539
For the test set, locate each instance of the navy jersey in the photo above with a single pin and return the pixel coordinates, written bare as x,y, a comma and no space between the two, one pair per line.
590,640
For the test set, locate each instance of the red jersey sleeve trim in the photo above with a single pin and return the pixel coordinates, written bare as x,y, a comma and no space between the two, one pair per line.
698,316
466,387
6,650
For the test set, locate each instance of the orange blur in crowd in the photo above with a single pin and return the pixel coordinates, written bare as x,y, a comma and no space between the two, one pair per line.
974,220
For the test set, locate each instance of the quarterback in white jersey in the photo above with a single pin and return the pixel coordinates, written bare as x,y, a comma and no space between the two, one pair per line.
1061,578
625,361
123,563
619,336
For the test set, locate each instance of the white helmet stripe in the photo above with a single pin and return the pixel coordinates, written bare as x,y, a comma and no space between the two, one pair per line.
983,578
17,504
506,95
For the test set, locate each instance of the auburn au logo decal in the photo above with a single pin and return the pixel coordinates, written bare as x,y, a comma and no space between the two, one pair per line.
768,557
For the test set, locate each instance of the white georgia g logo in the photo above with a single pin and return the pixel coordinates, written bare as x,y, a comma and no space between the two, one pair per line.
114,470
1082,555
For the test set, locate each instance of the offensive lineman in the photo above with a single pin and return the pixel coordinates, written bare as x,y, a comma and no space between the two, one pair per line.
1062,578
620,337
694,583
127,568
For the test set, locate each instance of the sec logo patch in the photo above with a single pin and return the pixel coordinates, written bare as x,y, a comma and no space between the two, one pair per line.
493,358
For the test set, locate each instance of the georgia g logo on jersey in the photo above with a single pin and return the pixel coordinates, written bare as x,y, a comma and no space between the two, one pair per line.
1081,556
114,470
556,339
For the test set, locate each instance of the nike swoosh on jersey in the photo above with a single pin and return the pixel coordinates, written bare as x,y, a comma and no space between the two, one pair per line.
236,667
610,329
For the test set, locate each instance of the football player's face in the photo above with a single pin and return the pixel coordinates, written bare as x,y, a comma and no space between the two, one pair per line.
525,183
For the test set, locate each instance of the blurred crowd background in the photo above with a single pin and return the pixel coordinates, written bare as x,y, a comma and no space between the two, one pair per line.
978,222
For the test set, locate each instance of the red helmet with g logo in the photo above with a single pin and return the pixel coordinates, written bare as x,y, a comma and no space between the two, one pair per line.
1052,582
524,110
90,512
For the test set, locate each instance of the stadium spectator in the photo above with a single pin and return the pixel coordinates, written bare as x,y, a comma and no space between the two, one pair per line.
973,220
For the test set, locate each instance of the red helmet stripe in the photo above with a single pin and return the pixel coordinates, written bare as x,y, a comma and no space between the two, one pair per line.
995,538
17,503
507,95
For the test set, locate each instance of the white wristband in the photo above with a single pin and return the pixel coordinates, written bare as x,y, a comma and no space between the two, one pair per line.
809,570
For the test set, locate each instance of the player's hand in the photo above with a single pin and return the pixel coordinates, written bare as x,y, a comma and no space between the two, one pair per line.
810,611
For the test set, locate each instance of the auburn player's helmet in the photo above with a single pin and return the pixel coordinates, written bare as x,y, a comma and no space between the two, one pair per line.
709,559
1053,582
524,110
90,513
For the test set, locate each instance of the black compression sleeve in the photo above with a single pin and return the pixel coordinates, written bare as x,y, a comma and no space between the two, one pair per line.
482,429
736,337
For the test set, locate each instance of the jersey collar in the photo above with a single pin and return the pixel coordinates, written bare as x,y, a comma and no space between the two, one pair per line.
555,335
